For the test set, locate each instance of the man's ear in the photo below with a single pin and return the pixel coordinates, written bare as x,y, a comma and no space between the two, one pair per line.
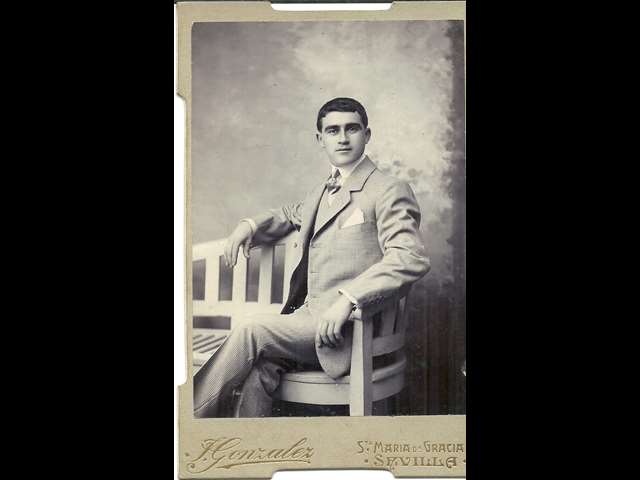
319,139
367,135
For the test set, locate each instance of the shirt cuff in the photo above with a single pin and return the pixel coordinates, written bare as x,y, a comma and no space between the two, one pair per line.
252,224
350,297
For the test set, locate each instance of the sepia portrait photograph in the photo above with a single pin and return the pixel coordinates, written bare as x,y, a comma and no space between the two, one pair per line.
326,218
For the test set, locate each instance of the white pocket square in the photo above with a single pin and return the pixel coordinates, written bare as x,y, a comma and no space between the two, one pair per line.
356,218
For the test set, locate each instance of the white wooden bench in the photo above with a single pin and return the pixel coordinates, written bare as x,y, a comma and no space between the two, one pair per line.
207,340
230,300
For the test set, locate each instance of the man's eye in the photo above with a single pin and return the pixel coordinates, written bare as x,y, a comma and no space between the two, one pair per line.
353,129
332,131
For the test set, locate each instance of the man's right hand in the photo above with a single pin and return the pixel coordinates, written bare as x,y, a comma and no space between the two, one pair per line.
240,237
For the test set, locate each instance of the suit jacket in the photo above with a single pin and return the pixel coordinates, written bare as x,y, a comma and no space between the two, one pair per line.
370,260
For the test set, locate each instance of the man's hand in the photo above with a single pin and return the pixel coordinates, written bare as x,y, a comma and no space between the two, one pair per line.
329,331
240,237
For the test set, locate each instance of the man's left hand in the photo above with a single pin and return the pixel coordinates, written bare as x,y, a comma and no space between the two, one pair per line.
329,331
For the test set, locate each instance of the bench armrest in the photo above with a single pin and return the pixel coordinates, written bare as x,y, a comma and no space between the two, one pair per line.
369,311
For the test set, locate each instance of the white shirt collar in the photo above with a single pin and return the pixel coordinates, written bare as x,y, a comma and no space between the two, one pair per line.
346,171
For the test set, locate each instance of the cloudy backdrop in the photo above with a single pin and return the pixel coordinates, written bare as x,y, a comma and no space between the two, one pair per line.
257,88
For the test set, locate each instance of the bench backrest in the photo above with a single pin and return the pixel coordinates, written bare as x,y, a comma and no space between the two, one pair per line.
257,285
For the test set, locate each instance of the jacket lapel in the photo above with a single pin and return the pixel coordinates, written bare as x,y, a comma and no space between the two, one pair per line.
354,183
309,212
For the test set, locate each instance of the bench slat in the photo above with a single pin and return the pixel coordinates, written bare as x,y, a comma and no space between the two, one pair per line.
388,344
240,279
266,269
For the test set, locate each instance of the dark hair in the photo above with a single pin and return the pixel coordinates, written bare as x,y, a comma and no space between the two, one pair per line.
342,104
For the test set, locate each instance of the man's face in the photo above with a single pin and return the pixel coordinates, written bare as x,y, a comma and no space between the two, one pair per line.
343,137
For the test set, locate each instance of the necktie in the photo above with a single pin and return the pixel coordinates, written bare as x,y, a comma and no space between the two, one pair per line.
333,184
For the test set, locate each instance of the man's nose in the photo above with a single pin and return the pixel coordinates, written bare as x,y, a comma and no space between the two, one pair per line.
343,137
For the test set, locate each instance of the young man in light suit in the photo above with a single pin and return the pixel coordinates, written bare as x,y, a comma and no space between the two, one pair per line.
359,243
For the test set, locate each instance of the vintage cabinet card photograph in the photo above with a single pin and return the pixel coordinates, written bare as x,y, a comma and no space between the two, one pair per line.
325,239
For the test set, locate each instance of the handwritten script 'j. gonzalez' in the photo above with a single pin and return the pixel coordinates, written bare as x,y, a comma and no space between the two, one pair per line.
231,452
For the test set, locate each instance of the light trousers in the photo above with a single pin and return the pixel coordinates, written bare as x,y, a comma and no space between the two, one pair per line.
252,358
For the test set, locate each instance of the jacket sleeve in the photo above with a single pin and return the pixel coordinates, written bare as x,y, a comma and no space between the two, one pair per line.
404,259
276,223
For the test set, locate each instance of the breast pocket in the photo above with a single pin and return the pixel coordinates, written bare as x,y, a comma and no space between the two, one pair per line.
360,227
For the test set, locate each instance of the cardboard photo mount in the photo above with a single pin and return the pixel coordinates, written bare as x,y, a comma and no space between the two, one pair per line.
408,446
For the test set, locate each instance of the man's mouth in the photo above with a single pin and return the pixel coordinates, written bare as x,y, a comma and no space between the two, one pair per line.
343,150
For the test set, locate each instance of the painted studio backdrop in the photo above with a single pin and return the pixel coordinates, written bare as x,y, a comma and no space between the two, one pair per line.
256,91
